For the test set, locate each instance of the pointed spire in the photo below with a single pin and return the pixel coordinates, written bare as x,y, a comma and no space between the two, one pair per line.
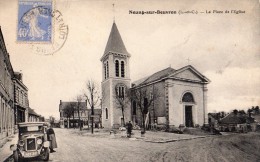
115,42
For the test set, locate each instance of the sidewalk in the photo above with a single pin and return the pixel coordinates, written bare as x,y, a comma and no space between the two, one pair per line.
5,151
149,136
155,136
163,137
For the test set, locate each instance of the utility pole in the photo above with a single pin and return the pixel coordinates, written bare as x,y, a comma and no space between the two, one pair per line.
101,113
92,115
79,98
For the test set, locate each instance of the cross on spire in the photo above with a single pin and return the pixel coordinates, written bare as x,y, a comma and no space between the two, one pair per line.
113,12
188,60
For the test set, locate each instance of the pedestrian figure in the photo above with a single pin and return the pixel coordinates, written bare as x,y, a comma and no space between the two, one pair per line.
129,128
51,138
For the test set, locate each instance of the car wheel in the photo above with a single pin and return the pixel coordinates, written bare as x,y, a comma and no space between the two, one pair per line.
46,154
16,157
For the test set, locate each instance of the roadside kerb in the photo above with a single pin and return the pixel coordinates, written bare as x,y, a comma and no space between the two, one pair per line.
172,140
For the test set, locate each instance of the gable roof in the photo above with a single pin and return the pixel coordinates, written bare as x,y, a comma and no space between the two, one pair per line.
231,119
193,70
159,75
32,112
82,105
139,81
115,42
168,73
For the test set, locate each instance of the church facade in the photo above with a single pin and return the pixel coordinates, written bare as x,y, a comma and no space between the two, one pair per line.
172,98
181,98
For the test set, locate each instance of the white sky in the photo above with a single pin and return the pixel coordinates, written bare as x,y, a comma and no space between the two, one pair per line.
223,47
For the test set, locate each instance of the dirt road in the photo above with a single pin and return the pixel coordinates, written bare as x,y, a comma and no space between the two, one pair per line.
73,147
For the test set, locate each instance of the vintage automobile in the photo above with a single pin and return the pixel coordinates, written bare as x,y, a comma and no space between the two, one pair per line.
32,142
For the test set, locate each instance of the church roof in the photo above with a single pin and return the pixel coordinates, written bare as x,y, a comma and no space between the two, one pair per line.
159,75
168,73
115,42
156,76
139,81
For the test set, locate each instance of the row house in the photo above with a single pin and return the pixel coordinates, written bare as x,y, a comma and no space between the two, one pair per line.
6,92
21,102
14,103
69,114
33,116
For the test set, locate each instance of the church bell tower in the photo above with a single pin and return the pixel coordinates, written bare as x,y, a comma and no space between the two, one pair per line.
115,79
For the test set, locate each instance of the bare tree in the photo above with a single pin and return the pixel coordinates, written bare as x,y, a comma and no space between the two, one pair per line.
68,111
103,96
144,97
92,95
122,99
79,99
72,107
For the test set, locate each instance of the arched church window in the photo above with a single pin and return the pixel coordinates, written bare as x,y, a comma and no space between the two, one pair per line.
122,69
120,91
187,97
134,107
107,70
117,68
106,113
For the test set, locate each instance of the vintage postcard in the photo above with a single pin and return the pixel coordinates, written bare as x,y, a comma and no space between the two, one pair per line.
111,80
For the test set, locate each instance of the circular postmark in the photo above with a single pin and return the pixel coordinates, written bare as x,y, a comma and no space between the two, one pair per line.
60,34
43,29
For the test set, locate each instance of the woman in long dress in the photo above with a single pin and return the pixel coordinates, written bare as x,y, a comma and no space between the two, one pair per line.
52,139
31,18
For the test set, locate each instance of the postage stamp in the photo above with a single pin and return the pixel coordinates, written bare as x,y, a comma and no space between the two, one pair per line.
41,26
35,21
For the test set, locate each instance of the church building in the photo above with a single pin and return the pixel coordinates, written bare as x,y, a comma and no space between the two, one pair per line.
174,97
181,98
116,79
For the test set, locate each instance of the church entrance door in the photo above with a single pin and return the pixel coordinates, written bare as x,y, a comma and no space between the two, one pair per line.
188,116
122,122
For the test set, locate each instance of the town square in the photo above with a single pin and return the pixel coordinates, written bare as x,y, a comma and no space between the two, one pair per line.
129,81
